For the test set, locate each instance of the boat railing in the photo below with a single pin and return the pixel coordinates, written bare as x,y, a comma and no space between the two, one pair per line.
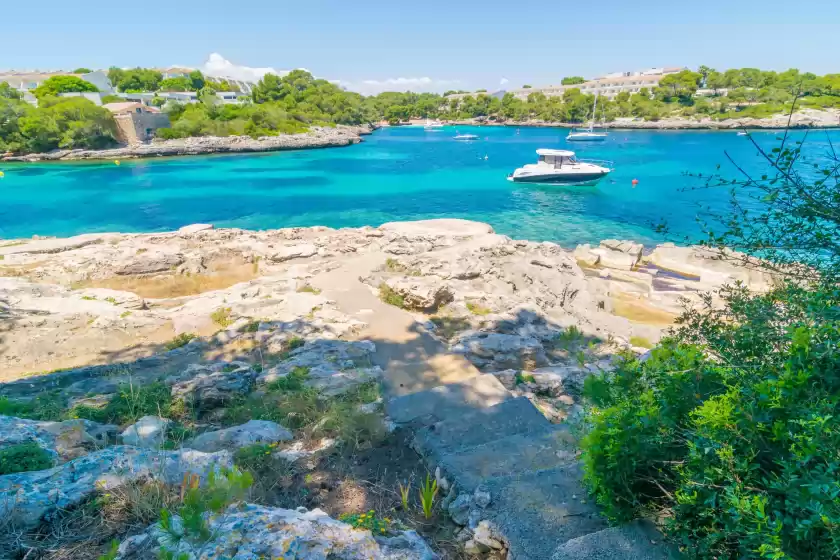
609,164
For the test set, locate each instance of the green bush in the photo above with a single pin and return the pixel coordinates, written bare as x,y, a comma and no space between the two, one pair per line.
729,430
24,457
180,340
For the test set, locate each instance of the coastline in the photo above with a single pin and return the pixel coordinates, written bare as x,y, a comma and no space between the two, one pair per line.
807,118
318,137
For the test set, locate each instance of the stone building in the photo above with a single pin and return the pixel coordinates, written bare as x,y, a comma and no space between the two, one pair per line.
136,122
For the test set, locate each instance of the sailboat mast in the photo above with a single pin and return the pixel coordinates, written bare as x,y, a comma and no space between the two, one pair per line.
594,106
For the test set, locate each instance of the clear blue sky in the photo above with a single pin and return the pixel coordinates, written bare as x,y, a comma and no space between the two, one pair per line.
473,43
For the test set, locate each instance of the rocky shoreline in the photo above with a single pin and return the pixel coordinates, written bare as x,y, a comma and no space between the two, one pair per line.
130,362
806,118
317,137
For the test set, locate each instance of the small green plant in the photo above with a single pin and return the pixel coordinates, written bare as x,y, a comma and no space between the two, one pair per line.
222,317
522,377
309,289
89,298
428,493
129,404
569,337
47,406
111,300
255,266
404,494
112,551
180,340
389,296
198,504
141,250
251,327
369,520
254,458
125,314
641,342
294,381
176,435
24,457
478,309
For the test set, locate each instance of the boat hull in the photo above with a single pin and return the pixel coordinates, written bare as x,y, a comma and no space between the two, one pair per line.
581,179
586,138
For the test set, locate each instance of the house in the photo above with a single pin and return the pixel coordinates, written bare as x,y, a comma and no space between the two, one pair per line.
136,122
26,81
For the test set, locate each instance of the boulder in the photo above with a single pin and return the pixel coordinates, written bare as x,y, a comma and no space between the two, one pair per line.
501,351
249,433
611,258
422,294
333,366
711,268
66,440
126,300
302,251
583,254
252,531
212,389
149,431
150,263
459,509
629,247
29,497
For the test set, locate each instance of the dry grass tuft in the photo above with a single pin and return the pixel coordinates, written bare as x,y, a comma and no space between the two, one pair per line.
642,312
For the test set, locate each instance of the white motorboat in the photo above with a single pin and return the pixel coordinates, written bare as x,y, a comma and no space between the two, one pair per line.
743,133
589,134
561,167
431,125
466,137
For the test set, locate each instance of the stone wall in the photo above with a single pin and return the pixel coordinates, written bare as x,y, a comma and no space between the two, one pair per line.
133,128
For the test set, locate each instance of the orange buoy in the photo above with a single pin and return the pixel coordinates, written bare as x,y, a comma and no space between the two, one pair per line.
635,182
116,162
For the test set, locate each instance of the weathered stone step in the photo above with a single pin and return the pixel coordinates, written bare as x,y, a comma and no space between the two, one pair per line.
635,541
405,378
540,510
454,400
516,416
508,456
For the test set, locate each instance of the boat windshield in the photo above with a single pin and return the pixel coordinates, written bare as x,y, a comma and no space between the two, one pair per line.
558,161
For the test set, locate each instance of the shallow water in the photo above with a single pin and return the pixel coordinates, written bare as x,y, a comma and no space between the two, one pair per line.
401,173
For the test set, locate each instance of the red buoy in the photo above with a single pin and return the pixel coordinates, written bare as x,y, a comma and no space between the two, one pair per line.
635,182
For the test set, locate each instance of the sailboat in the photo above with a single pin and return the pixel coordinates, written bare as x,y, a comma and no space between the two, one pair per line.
589,134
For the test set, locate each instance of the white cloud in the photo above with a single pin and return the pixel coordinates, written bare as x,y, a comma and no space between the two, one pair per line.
503,81
218,66
424,84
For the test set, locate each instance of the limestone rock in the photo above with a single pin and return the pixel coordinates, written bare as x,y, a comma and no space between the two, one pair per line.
149,264
501,351
481,497
251,531
249,433
612,258
485,535
459,509
294,252
442,226
629,247
584,255
66,440
334,366
149,431
126,300
212,389
30,496
422,294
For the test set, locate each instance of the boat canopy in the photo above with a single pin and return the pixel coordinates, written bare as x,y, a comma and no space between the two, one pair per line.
556,153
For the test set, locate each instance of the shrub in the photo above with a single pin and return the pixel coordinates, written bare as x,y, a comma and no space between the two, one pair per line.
24,457
478,309
222,317
180,340
390,297
368,520
727,429
641,342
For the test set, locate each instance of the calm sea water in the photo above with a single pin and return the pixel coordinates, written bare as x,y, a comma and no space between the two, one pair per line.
396,174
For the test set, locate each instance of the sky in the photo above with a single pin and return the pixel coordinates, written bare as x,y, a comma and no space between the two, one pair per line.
435,45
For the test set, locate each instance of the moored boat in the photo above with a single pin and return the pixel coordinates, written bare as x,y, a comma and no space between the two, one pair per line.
561,167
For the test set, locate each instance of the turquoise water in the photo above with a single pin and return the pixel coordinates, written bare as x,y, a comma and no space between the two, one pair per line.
401,173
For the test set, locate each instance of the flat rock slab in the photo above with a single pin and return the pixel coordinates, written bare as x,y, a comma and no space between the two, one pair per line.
509,456
538,511
45,246
442,226
635,541
512,417
448,401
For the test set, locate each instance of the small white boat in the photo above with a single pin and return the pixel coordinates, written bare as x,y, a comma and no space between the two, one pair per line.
466,137
561,167
589,134
431,125
743,133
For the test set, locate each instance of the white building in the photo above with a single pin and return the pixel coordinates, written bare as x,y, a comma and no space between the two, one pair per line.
26,81
609,85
